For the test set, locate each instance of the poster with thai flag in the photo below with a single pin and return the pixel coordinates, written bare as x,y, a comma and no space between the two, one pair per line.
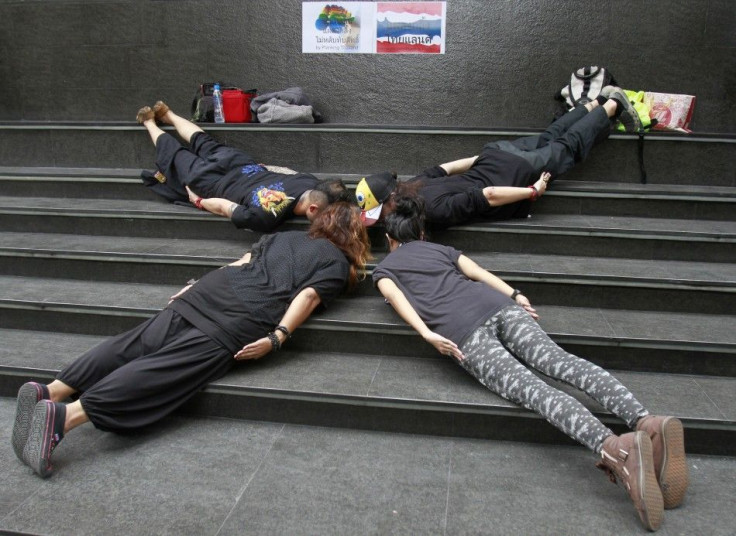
373,27
410,27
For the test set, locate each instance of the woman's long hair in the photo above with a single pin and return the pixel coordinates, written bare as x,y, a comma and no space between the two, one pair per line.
406,222
340,224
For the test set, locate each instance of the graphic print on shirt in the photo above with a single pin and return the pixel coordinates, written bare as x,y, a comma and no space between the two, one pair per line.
271,198
252,169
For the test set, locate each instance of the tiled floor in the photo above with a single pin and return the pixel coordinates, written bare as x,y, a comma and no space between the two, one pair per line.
215,476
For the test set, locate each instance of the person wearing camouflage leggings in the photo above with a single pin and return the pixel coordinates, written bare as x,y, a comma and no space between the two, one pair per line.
490,329
491,351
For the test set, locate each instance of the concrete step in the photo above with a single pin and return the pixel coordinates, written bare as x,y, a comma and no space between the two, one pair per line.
695,287
332,148
565,196
615,338
561,234
394,393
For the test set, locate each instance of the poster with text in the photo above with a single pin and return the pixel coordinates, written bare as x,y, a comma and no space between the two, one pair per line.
374,27
410,27
338,28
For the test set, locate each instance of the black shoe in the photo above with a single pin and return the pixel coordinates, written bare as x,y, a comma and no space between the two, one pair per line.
626,112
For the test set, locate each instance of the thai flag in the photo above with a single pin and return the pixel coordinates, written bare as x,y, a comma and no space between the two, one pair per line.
409,27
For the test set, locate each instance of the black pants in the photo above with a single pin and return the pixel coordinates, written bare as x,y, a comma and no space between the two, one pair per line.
564,143
136,378
201,166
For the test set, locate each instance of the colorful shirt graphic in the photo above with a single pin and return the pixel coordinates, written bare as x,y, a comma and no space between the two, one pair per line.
410,27
271,198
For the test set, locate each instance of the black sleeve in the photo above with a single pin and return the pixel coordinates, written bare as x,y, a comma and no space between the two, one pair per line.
329,281
256,219
431,173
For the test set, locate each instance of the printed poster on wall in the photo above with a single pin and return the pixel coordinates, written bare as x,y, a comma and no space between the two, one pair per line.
373,27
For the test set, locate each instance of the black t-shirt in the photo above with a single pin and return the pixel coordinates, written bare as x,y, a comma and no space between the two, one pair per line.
443,297
457,199
236,305
265,198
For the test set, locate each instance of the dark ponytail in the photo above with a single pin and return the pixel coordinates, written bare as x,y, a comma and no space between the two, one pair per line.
406,222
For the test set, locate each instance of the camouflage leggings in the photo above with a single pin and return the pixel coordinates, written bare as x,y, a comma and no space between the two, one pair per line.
491,353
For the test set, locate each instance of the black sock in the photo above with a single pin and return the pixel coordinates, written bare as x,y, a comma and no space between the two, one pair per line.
620,107
60,419
601,99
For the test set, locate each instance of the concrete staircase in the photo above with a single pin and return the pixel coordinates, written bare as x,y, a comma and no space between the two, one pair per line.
639,278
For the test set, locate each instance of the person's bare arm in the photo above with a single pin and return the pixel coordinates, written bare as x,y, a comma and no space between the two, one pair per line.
215,205
298,311
401,305
503,195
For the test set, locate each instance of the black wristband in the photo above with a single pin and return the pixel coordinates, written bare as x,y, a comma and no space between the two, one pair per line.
283,329
275,342
515,293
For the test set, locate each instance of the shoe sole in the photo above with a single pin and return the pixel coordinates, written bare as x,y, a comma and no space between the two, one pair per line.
674,475
628,114
28,396
37,452
652,512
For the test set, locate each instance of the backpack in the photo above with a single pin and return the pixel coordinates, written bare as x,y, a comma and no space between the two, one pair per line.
585,85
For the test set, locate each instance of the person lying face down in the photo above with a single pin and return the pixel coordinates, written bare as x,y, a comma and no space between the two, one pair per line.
244,310
490,329
227,181
500,182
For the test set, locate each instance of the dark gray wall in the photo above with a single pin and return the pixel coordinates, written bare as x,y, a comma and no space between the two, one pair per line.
102,60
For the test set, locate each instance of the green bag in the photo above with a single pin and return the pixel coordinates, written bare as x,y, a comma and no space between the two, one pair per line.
636,98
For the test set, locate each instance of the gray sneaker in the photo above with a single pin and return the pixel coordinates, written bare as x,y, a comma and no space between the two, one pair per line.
42,440
628,117
29,395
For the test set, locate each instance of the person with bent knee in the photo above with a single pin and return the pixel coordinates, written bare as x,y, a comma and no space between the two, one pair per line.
227,181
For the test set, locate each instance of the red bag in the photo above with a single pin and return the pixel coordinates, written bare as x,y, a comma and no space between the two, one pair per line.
236,105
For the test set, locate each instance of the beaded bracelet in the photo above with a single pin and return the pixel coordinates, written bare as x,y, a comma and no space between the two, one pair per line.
275,342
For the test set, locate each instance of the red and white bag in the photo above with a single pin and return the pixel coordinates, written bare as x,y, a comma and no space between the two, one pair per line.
672,111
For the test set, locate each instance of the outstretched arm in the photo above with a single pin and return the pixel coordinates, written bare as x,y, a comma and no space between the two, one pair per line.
215,205
503,195
299,310
398,301
472,271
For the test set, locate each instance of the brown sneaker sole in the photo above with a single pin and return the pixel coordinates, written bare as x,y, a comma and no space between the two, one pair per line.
674,476
160,109
652,511
144,114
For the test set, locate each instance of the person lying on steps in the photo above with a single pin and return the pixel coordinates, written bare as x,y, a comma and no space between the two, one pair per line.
490,330
244,310
499,183
227,181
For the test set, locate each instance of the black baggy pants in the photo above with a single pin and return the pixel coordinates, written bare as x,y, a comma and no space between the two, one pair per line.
138,377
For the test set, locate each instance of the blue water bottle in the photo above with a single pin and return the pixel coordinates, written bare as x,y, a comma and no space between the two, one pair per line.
217,101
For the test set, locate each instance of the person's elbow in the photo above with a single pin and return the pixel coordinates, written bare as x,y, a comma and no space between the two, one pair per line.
310,297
